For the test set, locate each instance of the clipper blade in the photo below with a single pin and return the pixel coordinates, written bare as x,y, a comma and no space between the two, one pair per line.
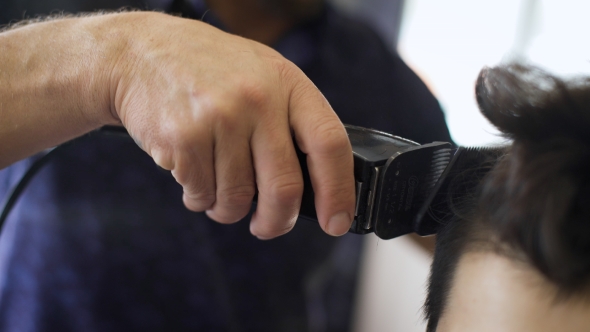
407,181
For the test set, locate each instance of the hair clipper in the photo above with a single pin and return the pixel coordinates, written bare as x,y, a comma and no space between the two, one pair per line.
394,177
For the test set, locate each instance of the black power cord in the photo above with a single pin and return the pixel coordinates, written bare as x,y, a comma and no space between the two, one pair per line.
16,191
13,195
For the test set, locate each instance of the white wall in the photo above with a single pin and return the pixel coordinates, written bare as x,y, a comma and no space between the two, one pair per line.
449,41
392,286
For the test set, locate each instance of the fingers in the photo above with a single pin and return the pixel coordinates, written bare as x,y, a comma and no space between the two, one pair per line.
321,135
264,157
192,167
279,181
234,175
197,179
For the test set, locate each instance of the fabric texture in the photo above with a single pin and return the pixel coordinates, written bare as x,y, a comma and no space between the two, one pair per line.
100,241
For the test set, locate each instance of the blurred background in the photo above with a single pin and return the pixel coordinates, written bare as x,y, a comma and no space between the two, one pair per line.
447,43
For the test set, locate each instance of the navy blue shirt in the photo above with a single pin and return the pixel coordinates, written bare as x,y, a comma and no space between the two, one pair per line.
100,241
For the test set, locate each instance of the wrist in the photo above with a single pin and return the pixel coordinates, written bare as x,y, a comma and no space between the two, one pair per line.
111,39
120,43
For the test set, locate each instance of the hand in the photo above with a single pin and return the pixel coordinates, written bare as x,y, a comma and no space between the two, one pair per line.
220,112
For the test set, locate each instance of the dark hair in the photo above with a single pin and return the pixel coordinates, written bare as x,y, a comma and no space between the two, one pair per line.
535,201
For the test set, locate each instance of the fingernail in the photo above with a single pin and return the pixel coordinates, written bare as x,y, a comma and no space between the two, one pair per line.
339,224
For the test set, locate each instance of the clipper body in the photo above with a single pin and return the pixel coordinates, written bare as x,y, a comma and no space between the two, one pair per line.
393,178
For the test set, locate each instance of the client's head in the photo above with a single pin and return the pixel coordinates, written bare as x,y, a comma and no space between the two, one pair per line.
516,254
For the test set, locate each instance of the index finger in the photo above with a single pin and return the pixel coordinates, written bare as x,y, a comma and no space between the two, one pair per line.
320,134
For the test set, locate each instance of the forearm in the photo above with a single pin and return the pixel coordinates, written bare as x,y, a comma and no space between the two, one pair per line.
54,84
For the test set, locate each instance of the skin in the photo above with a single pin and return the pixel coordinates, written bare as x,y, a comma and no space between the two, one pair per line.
217,110
493,293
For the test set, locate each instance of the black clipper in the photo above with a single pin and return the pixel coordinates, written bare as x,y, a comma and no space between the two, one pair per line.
394,177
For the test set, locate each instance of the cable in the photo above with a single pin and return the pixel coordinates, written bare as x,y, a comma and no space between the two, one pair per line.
16,191
14,194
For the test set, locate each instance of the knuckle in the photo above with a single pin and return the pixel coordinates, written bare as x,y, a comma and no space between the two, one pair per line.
209,110
286,190
195,183
203,196
198,201
330,138
183,177
177,133
286,69
233,204
253,95
223,114
162,158
238,196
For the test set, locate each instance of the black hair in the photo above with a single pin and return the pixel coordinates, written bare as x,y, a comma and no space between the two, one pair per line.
535,200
